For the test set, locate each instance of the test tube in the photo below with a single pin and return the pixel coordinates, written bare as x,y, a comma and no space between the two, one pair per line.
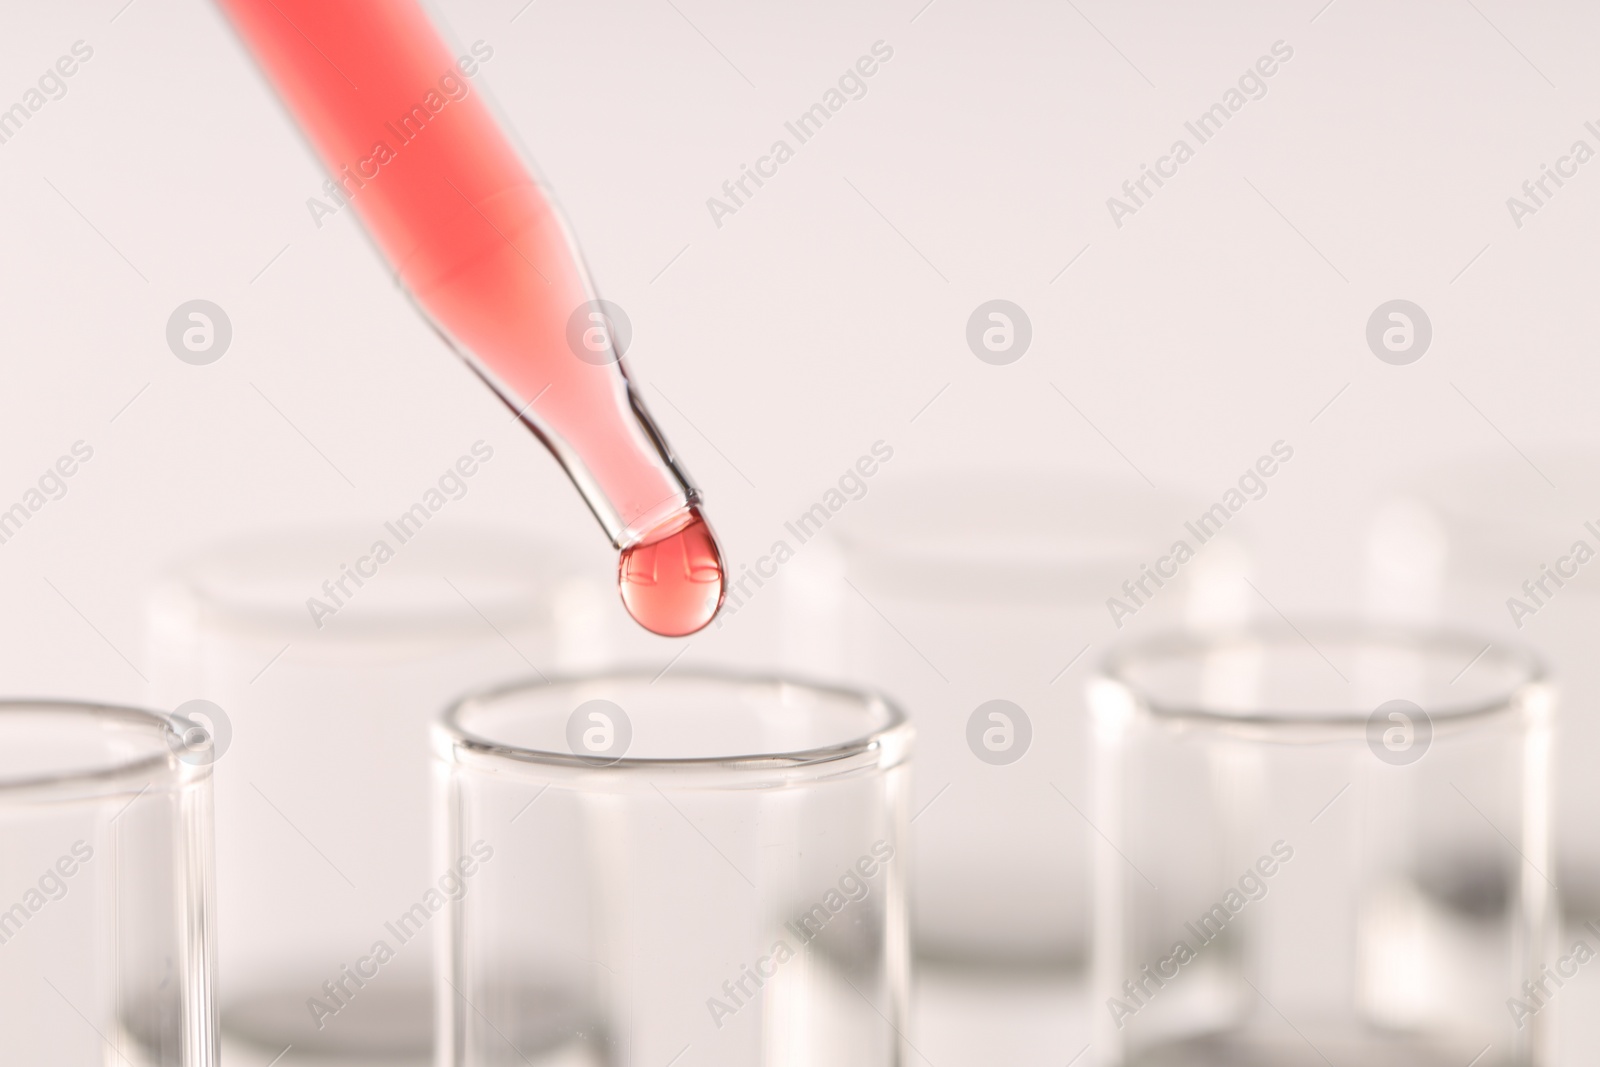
322,780
1325,845
970,597
638,868
106,951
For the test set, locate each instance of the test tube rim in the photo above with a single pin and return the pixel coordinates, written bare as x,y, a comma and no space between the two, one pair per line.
117,777
1533,676
883,747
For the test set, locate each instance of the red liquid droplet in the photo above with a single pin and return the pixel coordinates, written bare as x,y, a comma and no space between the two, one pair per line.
672,581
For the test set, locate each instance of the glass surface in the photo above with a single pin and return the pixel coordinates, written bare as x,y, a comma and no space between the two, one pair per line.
106,953
1328,845
642,868
322,789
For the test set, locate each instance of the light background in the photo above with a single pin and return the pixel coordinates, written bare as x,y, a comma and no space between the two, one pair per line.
1227,314
1222,317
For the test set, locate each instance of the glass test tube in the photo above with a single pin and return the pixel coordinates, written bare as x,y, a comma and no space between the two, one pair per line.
106,951
957,593
322,788
1323,847
694,865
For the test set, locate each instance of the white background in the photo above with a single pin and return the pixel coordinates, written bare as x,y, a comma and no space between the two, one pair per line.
825,314
805,327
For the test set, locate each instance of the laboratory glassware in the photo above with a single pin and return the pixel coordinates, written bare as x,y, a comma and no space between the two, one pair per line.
1324,844
107,954
322,778
981,601
643,865
410,144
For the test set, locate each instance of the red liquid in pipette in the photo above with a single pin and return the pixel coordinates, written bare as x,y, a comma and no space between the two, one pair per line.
412,147
672,583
